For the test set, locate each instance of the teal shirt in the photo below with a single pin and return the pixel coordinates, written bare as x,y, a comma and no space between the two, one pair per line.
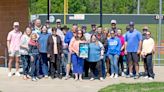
94,52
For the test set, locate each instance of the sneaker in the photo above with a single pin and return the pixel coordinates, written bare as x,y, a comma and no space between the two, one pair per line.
116,76
91,79
146,77
112,76
122,74
67,77
101,79
136,77
46,76
150,78
131,75
9,74
34,79
17,74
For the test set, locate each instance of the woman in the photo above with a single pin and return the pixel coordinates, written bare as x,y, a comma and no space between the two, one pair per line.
43,38
77,62
114,49
120,61
148,48
54,50
96,53
25,58
34,55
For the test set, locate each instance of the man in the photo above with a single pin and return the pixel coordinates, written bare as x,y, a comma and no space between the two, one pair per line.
93,30
13,45
133,42
37,26
145,30
113,26
49,29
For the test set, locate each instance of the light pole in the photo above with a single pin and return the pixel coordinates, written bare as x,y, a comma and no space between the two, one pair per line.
65,10
138,7
101,13
48,9
160,28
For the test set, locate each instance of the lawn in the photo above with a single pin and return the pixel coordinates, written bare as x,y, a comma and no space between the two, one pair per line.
136,87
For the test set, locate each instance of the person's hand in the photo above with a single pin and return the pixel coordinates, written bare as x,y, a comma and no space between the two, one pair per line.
32,58
62,55
139,51
101,57
125,52
48,55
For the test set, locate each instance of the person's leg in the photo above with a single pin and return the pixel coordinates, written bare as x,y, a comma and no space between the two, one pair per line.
98,67
80,67
150,66
37,66
44,66
130,63
33,67
112,65
68,66
59,66
86,67
107,67
75,65
24,64
92,66
122,65
119,65
116,57
136,60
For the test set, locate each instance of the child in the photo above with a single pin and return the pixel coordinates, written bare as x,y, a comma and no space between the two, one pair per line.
34,55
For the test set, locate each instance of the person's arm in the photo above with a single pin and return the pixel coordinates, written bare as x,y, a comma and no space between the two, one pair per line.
48,47
8,41
23,42
140,43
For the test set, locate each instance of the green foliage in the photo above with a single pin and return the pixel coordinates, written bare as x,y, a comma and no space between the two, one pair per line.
92,6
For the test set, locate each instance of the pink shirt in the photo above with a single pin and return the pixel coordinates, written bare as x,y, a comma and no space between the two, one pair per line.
74,45
15,39
122,43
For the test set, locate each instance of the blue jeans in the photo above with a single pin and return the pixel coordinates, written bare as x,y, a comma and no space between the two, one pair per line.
64,60
26,64
35,66
114,63
44,63
78,64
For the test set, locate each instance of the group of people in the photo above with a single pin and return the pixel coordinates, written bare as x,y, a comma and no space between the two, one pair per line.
46,51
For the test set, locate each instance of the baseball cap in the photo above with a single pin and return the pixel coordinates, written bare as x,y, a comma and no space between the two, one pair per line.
113,22
145,27
131,23
58,20
16,23
93,24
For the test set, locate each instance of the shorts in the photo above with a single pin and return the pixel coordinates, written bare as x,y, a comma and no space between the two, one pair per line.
133,57
14,53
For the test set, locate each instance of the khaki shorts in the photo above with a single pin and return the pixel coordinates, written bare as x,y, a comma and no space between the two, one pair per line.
14,53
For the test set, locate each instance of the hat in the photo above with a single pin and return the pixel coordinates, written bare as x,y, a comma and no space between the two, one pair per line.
93,24
131,23
113,22
58,21
65,27
145,27
16,23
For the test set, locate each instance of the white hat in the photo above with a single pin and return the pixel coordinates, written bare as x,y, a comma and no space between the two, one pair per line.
113,22
16,23
58,20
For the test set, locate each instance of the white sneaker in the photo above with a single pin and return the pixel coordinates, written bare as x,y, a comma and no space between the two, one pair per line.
17,74
122,74
91,79
150,78
116,76
112,76
46,76
34,79
9,74
146,77
101,79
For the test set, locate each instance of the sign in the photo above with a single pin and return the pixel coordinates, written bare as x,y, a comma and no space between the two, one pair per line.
83,50
52,19
77,17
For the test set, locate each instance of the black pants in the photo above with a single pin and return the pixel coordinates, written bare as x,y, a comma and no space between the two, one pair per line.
149,65
93,66
55,67
120,65
86,67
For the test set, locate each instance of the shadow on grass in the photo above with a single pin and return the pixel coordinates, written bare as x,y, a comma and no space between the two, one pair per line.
136,87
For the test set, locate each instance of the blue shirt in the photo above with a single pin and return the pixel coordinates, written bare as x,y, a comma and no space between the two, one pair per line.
114,46
43,38
133,38
94,52
68,37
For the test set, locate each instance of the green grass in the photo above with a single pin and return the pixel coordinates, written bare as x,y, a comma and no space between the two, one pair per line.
136,87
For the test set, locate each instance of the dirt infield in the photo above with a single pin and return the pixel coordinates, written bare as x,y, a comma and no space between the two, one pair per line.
17,84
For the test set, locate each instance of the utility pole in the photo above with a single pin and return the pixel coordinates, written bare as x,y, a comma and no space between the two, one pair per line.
65,10
138,7
101,13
